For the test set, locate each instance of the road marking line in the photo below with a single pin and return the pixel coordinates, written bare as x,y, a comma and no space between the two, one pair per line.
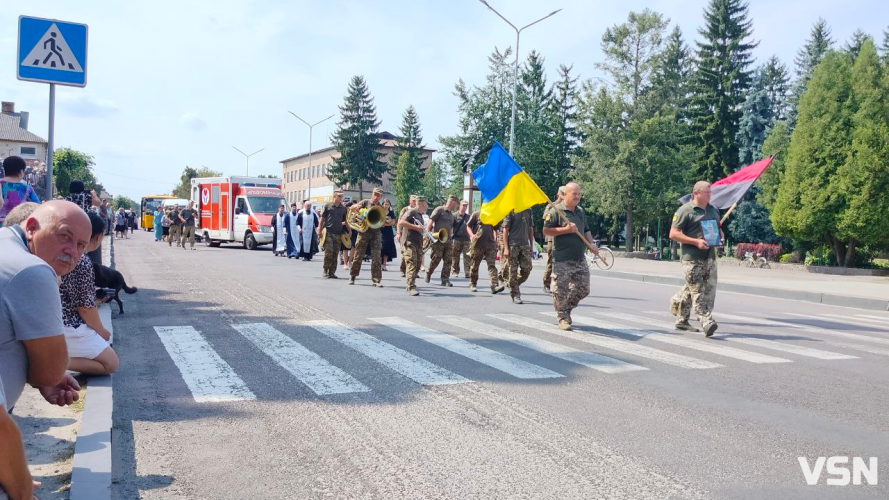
854,320
589,359
311,369
207,375
611,343
660,336
859,347
497,360
884,319
417,369
810,329
763,343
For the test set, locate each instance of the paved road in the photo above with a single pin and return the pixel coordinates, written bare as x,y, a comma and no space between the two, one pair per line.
249,376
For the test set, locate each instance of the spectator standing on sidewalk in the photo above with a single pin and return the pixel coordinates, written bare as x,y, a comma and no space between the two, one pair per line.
120,223
85,335
14,191
187,218
698,261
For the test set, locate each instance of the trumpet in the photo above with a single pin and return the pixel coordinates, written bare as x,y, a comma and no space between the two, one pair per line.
367,218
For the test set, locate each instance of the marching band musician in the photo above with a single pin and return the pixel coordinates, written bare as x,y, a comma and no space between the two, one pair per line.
461,241
412,204
518,236
411,227
371,237
442,218
333,220
484,246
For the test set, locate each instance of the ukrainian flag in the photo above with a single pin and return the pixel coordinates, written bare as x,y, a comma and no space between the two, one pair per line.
505,186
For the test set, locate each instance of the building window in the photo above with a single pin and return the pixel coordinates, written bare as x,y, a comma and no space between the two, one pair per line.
26,151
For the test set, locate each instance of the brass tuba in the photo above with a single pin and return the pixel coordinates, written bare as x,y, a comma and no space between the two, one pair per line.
345,240
367,218
432,238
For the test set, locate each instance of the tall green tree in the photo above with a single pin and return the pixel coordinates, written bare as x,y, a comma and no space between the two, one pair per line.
670,82
566,136
183,189
864,178
121,201
809,199
807,57
756,120
885,47
406,161
720,82
436,182
357,140
777,86
628,144
853,46
774,145
72,165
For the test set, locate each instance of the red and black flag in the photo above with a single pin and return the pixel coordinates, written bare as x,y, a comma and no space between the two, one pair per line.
726,192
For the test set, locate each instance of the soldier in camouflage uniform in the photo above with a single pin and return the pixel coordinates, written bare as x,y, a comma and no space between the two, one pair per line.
698,261
333,221
571,276
518,235
442,218
412,204
548,270
460,247
410,226
484,247
371,238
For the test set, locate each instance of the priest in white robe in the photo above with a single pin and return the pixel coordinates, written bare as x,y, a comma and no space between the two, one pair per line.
279,238
293,238
307,222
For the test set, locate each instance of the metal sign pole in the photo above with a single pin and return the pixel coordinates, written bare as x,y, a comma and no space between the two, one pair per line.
50,144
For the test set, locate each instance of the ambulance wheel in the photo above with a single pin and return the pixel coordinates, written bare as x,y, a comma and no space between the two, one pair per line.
209,242
249,242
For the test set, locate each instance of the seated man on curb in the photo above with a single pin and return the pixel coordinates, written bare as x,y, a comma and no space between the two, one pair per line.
86,337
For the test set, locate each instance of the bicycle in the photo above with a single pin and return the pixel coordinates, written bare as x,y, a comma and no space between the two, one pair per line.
603,261
757,261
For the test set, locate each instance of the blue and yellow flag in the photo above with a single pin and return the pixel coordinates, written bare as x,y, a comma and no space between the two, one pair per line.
504,186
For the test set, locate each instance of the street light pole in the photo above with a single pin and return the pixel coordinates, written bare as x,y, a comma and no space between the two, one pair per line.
309,195
515,73
248,157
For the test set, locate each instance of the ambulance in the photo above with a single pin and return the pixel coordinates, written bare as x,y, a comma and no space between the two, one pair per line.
236,209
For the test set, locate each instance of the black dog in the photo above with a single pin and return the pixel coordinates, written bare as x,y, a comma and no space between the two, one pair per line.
113,281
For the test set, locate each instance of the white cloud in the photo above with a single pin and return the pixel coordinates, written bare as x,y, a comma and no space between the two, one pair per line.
193,121
77,103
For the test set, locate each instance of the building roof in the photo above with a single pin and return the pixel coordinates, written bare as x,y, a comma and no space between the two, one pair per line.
387,140
11,130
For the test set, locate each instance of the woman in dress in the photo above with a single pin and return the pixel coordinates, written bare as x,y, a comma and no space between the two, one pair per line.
158,224
387,233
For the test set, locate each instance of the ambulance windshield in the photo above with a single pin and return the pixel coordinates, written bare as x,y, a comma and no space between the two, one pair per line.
265,204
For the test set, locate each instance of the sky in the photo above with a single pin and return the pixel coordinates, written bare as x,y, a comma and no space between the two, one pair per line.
176,83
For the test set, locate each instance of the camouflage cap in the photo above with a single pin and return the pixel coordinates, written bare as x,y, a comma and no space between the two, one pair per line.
338,191
422,199
452,198
378,191
414,197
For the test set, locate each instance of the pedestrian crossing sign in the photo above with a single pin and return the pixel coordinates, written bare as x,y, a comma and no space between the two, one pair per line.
52,51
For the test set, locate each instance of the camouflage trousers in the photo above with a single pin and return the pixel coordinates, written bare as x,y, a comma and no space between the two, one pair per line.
411,257
460,247
187,235
519,267
372,239
440,252
332,245
175,233
489,255
571,284
548,270
699,291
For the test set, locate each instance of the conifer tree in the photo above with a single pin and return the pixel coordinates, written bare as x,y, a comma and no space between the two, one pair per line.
777,86
721,80
853,46
407,159
807,57
357,140
756,121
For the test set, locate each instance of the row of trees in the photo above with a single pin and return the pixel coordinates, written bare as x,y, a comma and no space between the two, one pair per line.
667,114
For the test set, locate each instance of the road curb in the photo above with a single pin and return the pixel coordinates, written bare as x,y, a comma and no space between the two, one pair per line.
91,469
778,293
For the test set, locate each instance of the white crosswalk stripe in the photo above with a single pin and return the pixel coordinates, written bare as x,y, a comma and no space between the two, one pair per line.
763,343
721,350
861,347
417,369
853,319
499,361
309,368
883,319
611,343
589,359
811,329
210,379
